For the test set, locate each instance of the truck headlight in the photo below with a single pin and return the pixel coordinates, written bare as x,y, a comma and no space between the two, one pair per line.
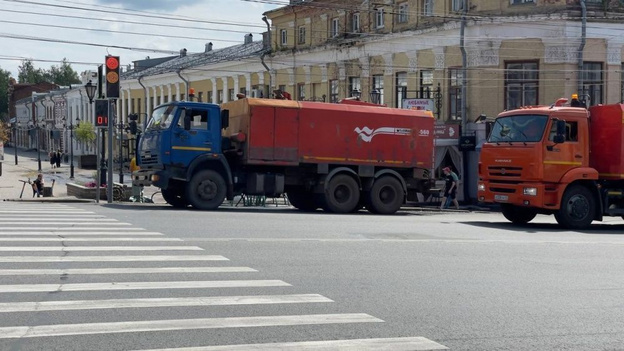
481,187
530,191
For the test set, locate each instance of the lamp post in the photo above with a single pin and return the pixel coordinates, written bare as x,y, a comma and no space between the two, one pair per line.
374,96
121,175
71,146
356,93
15,124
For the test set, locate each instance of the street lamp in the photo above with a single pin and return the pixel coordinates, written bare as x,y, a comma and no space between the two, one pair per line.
90,89
15,125
374,96
71,146
356,93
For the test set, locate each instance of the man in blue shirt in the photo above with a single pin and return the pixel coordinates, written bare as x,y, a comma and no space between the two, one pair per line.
450,190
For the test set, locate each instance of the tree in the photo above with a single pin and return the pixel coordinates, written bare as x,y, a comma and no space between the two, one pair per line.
27,73
63,75
85,133
4,132
5,76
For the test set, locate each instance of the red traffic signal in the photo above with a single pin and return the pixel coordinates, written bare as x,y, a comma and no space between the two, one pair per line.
112,77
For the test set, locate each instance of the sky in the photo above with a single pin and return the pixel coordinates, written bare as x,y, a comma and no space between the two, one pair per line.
85,31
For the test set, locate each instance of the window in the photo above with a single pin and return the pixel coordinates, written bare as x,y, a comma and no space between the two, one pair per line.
455,88
457,5
517,2
132,105
355,23
231,95
427,7
182,96
426,84
243,91
302,35
355,83
401,88
219,96
521,82
379,85
199,119
200,97
166,99
402,16
379,18
333,90
283,37
592,83
301,91
334,30
571,133
209,97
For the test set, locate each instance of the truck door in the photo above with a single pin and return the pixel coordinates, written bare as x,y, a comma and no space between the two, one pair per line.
559,158
188,144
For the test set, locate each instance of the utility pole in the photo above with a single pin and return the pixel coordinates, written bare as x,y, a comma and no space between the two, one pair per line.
464,94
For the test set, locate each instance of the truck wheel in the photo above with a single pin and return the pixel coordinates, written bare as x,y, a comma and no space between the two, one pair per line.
386,196
302,200
517,214
206,190
175,197
578,208
342,194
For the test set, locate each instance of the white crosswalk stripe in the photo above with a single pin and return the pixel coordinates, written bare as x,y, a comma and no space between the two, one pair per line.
389,344
56,227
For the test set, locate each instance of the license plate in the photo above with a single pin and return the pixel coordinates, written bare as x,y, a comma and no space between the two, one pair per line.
501,197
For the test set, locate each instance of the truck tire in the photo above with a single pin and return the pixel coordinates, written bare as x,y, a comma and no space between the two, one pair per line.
386,196
578,208
206,190
302,200
342,194
175,197
517,214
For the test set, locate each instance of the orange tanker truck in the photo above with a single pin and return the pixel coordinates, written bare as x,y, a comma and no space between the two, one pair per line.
559,159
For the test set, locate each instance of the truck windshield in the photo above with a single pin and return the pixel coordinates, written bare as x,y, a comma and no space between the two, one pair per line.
520,128
161,117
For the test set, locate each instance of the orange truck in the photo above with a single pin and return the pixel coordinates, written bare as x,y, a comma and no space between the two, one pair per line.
558,159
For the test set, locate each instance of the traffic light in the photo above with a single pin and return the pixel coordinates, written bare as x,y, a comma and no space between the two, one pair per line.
112,77
101,113
132,124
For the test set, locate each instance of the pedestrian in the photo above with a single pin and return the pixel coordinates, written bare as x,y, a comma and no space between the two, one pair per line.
58,158
450,189
52,156
37,186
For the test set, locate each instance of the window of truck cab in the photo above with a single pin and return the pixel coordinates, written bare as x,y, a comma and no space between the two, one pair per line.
162,117
518,128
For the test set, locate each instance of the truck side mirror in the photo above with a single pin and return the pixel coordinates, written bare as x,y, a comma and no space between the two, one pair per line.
225,119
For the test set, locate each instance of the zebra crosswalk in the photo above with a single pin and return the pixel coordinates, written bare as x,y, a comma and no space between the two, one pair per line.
127,281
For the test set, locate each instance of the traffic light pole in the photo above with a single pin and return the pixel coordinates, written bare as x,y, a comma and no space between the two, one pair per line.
111,130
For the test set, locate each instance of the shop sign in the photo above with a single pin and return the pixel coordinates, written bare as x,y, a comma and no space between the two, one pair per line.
446,131
467,143
418,104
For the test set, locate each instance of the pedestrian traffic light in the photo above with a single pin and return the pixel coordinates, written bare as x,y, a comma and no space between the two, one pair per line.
112,77
101,113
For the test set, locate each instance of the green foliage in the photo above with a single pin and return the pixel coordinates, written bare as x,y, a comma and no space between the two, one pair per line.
85,133
5,76
62,75
4,131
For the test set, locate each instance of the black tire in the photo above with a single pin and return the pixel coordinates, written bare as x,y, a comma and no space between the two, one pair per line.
342,194
386,196
302,200
517,214
175,197
206,190
578,208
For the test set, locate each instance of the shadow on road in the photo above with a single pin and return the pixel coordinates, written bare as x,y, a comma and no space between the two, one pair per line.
596,228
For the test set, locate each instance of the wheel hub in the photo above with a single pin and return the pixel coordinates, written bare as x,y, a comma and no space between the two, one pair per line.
578,207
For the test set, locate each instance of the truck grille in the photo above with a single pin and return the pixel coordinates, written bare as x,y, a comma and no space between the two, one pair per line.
148,161
497,171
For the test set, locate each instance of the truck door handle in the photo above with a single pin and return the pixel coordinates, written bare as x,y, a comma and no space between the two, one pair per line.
578,156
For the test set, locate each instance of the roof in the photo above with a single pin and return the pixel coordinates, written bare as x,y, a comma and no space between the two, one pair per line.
231,53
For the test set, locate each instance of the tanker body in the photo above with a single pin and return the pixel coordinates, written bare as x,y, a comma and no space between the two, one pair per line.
338,157
561,160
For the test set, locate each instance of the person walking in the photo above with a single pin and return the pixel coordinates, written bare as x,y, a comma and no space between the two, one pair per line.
52,156
450,189
58,158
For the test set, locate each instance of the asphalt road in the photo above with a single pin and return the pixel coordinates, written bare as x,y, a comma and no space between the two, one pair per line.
464,280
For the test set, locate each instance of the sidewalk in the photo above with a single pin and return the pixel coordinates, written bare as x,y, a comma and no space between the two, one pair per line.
27,167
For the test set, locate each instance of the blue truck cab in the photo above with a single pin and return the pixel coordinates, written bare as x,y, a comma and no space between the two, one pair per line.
179,138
